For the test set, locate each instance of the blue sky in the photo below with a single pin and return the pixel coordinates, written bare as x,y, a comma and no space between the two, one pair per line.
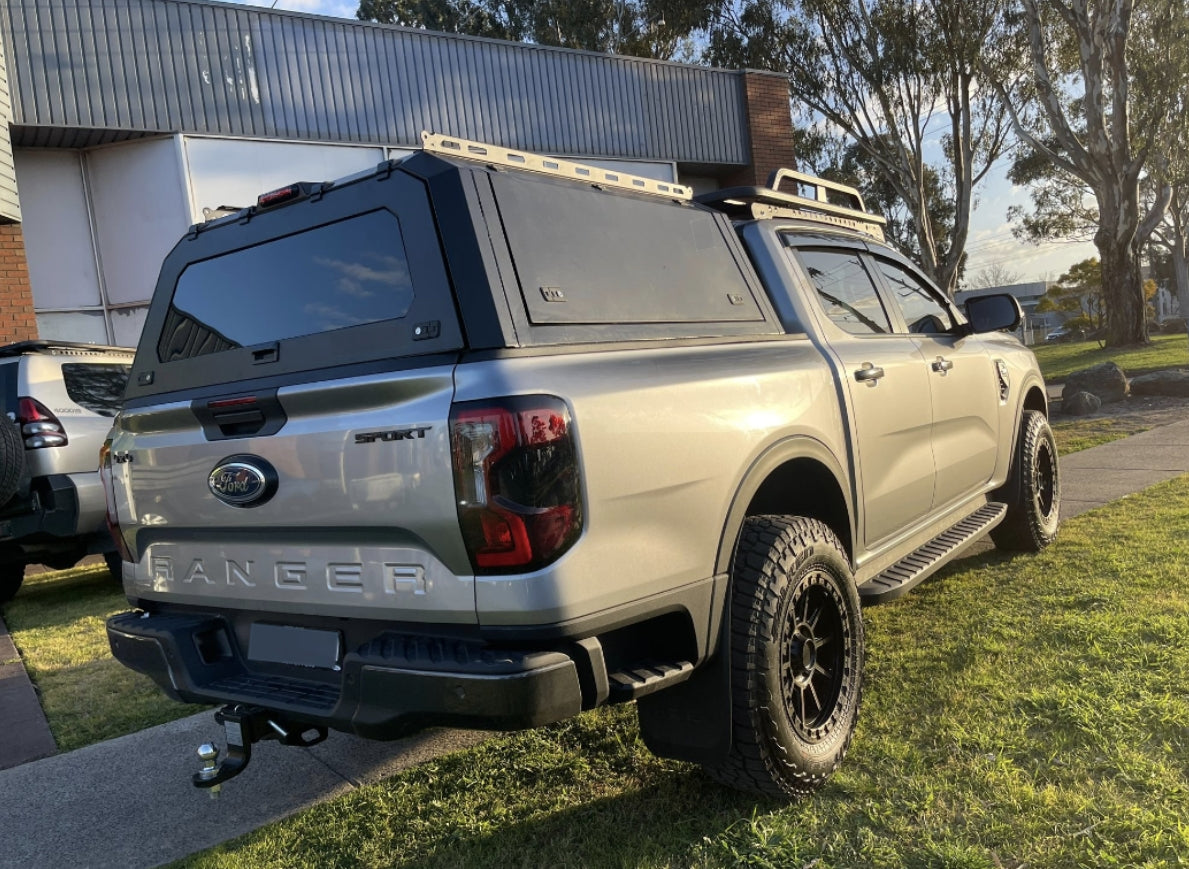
990,242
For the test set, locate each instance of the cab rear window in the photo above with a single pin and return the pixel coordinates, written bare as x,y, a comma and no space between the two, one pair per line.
347,273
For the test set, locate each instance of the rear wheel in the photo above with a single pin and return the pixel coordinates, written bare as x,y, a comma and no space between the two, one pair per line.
796,658
1032,491
11,577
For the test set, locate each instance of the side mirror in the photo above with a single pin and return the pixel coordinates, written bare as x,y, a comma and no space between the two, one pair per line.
992,313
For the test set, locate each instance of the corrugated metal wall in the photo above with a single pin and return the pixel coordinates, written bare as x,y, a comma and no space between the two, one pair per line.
137,66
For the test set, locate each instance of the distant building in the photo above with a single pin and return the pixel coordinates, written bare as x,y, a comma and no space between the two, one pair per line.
1035,325
122,122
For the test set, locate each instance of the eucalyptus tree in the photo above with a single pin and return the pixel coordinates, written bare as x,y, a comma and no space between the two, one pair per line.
903,79
1098,104
643,28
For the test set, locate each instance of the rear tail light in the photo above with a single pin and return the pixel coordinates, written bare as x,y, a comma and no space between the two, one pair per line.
109,493
517,481
39,427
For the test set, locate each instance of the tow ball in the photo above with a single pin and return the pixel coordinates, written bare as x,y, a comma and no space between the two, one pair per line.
242,726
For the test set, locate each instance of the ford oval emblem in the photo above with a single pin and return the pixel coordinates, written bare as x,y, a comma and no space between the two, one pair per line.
243,481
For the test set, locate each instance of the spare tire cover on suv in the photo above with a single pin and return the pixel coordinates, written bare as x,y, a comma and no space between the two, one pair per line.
12,458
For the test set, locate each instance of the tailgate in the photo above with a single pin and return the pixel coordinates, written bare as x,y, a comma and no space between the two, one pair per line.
346,509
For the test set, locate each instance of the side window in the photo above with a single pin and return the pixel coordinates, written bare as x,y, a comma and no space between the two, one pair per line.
845,290
923,311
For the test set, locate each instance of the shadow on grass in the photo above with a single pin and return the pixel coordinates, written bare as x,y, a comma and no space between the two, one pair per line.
662,823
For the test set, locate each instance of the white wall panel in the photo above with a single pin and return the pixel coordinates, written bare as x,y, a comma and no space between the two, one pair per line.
57,229
84,326
234,172
126,324
141,208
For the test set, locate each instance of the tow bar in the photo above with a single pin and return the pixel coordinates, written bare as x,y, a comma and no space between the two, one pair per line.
243,725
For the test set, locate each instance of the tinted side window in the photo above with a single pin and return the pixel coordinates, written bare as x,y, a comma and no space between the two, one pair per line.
98,388
845,290
345,273
923,312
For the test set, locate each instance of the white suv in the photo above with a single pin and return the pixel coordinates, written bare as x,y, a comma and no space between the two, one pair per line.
57,402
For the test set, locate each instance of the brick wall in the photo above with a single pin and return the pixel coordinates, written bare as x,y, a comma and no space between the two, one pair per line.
17,322
770,128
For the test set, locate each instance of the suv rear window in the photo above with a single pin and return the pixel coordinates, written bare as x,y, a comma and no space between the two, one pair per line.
98,388
347,273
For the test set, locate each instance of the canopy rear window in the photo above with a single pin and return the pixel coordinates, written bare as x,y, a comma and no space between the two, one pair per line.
347,273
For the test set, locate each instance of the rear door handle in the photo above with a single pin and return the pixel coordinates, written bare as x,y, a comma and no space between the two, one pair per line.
869,373
942,365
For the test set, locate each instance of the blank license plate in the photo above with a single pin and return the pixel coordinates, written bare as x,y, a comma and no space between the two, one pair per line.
284,644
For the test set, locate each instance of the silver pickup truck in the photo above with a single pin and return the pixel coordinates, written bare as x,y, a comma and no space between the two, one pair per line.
485,439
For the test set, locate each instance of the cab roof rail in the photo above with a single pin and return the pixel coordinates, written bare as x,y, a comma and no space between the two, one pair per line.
451,146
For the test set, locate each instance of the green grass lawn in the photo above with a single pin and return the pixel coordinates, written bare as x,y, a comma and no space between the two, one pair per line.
1077,434
1058,361
57,623
1018,711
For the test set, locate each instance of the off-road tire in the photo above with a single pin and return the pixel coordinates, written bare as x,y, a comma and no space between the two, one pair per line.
1032,491
796,658
11,577
12,459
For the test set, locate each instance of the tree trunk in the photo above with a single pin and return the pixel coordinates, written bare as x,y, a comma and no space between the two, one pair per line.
1122,291
1118,251
1180,272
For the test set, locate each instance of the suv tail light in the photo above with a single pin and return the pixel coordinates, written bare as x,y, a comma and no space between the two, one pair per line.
517,481
39,427
109,494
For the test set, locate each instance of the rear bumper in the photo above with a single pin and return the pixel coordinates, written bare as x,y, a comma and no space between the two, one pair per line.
391,686
58,505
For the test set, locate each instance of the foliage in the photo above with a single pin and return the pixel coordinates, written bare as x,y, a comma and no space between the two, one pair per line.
57,623
1017,711
891,75
1078,291
1063,207
1106,81
644,28
858,169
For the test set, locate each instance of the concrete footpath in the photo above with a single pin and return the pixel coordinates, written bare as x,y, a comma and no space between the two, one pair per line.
129,803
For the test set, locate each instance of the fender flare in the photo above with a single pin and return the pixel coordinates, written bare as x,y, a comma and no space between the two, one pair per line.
777,454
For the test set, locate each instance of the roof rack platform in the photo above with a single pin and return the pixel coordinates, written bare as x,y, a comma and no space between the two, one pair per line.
450,146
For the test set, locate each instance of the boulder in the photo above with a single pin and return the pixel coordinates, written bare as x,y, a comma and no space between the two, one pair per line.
1106,380
1080,403
1172,382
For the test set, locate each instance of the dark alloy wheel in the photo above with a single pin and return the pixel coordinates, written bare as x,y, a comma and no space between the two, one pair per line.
1032,491
796,658
812,660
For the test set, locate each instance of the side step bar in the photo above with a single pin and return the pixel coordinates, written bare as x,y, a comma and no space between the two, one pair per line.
645,677
917,565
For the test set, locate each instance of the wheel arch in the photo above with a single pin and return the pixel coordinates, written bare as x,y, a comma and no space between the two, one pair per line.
1035,399
799,476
